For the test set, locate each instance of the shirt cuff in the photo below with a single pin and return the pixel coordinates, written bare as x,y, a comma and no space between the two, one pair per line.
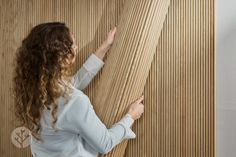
93,64
126,122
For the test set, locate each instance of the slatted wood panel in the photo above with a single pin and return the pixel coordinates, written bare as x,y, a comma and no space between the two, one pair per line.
126,70
179,116
88,20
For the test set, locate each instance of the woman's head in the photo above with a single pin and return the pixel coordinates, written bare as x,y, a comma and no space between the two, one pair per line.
43,60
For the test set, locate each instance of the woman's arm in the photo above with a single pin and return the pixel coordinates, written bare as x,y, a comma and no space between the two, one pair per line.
83,120
102,50
93,64
86,73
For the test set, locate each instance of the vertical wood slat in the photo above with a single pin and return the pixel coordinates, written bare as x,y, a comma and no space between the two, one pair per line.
18,17
179,92
11,29
90,20
129,61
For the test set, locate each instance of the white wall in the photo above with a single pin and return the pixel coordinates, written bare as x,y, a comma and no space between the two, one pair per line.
225,78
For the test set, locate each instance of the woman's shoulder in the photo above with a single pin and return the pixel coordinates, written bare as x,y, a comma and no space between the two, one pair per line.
78,94
77,104
78,99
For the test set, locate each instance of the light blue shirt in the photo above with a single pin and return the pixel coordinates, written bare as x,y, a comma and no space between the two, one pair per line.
80,133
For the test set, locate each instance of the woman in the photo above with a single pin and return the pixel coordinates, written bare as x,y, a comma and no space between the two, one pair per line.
50,103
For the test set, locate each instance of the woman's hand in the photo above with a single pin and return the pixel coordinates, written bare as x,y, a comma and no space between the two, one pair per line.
111,36
136,108
102,50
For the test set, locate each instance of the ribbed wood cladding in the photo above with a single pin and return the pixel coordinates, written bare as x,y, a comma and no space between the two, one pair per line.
127,66
179,91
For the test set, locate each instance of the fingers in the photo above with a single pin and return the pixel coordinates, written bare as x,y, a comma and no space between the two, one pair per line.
114,30
140,99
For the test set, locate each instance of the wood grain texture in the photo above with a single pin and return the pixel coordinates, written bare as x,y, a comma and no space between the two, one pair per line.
88,20
127,66
179,91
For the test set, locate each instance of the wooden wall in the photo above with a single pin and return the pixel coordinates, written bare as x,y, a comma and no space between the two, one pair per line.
179,91
179,116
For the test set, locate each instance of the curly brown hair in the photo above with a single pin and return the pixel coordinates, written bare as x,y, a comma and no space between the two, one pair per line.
41,63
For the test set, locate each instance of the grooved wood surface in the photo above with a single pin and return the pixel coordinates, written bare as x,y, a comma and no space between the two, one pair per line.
179,91
126,70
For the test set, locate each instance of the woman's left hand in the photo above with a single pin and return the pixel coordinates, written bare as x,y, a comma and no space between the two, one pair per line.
111,36
102,50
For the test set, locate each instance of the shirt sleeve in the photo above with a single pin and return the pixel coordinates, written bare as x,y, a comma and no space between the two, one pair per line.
86,123
86,73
